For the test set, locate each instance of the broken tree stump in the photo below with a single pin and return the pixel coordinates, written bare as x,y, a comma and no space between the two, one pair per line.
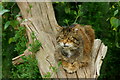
40,19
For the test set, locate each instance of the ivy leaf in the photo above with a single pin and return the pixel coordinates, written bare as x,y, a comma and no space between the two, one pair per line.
114,22
115,12
6,25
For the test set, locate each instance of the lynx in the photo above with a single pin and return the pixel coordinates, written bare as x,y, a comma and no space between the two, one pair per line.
74,46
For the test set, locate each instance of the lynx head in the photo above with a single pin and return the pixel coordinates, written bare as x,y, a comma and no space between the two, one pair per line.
68,38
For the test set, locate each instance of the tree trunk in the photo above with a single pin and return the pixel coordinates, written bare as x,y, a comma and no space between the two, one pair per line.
40,19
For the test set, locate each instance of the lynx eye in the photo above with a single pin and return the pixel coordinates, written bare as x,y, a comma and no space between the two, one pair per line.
62,37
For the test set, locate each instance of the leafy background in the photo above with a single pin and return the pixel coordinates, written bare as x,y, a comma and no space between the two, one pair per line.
103,16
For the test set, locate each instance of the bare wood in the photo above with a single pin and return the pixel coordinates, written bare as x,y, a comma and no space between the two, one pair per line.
40,19
18,59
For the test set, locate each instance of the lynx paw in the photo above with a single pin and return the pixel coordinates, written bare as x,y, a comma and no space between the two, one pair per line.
70,71
69,67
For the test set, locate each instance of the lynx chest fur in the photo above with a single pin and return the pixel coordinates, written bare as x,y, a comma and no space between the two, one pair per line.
74,47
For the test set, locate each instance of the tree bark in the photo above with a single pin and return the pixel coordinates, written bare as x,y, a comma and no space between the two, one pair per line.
40,19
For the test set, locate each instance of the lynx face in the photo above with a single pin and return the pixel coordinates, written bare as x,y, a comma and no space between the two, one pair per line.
69,41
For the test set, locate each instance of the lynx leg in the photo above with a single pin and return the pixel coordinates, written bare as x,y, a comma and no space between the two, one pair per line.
57,56
85,62
70,67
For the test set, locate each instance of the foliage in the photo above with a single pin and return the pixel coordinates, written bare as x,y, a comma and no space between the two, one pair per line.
35,45
53,69
47,75
14,43
27,70
2,10
105,19
20,40
63,10
7,49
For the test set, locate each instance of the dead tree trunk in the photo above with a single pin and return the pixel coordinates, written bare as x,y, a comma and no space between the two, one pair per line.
40,19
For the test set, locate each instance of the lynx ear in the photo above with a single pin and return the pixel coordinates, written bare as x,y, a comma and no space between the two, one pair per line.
76,28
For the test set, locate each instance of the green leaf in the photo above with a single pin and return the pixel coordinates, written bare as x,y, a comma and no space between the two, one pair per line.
75,12
14,23
117,45
6,25
59,63
114,22
30,6
35,46
115,12
79,6
33,35
47,75
4,11
18,15
67,10
10,40
66,21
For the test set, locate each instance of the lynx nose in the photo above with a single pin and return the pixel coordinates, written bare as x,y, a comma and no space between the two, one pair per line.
64,44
